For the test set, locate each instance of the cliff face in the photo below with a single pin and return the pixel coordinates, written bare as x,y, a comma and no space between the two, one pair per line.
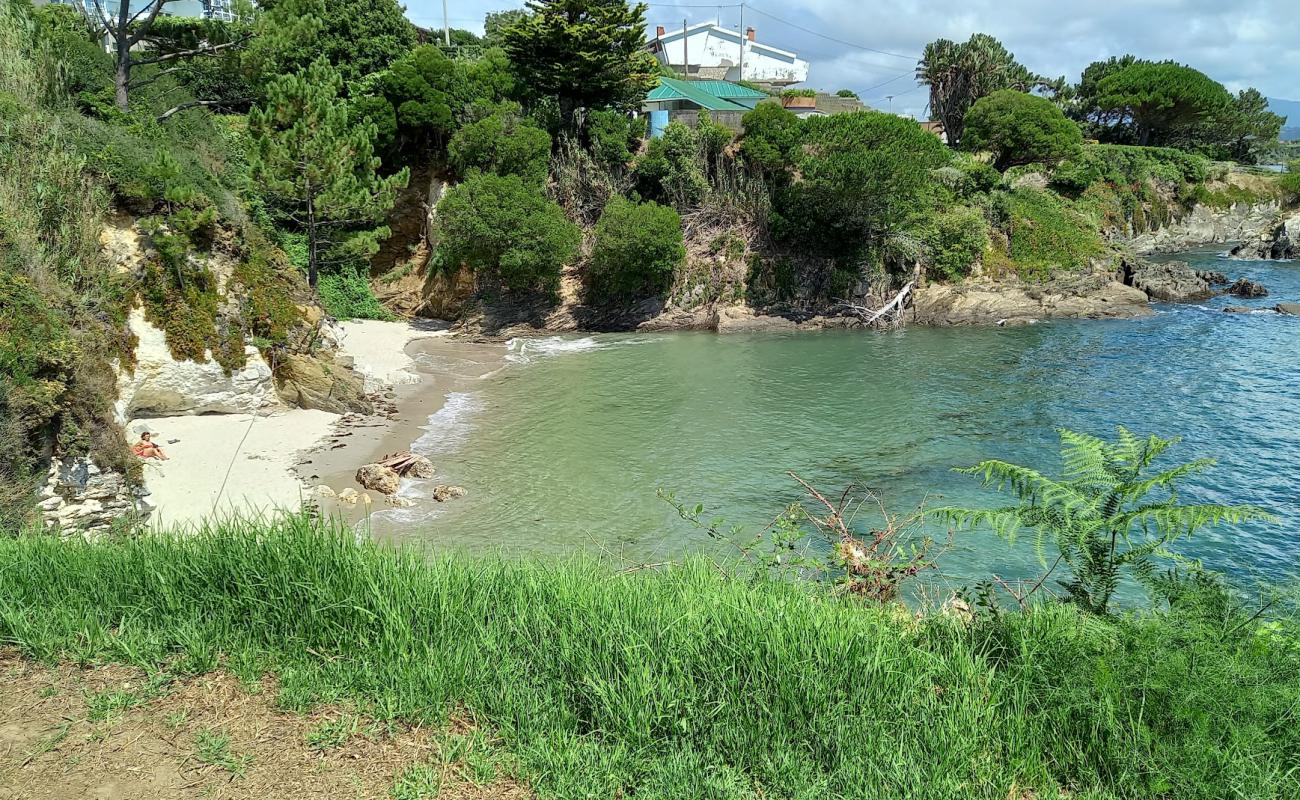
1206,224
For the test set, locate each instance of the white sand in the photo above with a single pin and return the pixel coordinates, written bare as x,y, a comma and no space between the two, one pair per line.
378,349
261,478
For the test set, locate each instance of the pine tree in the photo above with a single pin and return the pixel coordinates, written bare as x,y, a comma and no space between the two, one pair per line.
585,53
315,160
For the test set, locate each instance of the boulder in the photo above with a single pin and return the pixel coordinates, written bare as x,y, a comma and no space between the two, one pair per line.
1247,288
379,478
1292,309
317,383
421,467
442,492
1238,309
1281,241
1170,281
1214,278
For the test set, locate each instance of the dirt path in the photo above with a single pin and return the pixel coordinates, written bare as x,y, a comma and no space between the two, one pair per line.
111,733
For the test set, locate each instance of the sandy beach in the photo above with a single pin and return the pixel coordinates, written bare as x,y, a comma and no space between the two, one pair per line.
225,463
413,414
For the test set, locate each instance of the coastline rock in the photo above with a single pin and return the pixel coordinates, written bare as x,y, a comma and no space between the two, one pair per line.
1290,309
162,386
421,467
1208,225
1015,302
1247,288
1170,281
315,383
79,497
743,319
379,478
1280,241
1237,309
442,492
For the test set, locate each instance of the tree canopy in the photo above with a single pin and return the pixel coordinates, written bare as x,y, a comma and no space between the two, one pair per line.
1019,128
1159,97
584,53
960,73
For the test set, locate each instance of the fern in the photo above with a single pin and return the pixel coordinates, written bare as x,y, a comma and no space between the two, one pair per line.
1108,514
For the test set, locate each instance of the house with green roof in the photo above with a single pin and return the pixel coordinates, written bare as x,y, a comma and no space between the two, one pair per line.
674,94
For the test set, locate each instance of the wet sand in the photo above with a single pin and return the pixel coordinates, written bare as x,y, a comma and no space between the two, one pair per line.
410,416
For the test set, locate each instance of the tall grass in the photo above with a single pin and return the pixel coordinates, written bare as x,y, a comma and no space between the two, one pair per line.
685,683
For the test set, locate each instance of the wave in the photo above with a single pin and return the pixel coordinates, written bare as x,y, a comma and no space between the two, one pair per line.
525,351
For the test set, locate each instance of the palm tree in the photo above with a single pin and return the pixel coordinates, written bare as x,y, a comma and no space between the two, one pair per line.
1106,515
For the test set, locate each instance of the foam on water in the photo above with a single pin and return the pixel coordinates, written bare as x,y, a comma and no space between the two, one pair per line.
444,431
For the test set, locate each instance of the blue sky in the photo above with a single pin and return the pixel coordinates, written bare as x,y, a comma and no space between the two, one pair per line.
1238,42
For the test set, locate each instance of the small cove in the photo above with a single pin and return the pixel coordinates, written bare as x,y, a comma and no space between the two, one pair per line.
566,448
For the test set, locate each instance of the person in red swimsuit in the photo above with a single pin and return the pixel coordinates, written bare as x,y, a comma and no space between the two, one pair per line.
145,448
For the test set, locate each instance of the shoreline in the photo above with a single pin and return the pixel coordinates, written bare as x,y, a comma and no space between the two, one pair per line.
221,464
438,369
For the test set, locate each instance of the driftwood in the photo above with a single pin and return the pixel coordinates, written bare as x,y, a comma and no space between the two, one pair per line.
871,316
401,462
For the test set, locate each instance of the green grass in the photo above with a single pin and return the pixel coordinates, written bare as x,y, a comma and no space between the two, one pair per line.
213,747
685,683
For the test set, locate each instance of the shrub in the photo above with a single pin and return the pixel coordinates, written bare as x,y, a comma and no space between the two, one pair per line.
771,137
864,175
504,143
637,250
1020,128
504,230
672,169
799,93
614,137
956,240
713,138
346,294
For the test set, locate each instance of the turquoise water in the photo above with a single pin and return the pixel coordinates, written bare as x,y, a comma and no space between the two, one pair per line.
566,448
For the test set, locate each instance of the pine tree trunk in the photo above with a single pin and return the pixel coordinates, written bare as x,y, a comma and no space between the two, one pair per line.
311,238
122,55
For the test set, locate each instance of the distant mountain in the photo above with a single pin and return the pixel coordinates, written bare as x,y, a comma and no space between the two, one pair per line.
1291,110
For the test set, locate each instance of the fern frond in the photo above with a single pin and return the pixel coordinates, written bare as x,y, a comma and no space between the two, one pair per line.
1136,490
1173,521
1005,522
1026,483
1084,456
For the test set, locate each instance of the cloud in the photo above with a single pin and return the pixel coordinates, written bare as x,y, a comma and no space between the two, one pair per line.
1240,43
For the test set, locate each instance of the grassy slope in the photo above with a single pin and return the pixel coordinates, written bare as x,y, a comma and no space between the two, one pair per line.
683,683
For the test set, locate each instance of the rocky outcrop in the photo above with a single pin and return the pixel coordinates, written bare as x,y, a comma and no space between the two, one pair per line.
1247,288
320,383
1278,241
1290,309
1014,302
442,492
1171,281
159,385
79,497
1237,309
379,478
1208,225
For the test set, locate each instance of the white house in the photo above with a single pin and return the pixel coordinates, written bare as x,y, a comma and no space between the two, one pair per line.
712,52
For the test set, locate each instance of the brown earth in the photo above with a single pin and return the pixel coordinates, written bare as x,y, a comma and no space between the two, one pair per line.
110,733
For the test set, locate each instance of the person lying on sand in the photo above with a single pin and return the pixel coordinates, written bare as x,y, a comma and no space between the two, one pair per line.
145,448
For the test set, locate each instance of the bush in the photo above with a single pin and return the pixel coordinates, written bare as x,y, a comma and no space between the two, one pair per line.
1020,128
771,138
504,230
346,294
1046,234
864,176
637,250
614,137
503,143
713,138
672,169
956,240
